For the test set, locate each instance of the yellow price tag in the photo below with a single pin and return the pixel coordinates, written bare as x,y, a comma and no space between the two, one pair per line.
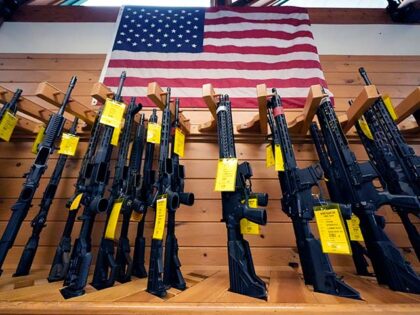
389,107
365,128
112,113
7,125
226,174
136,217
113,219
248,227
269,156
354,229
76,202
68,144
179,142
278,155
333,235
160,218
115,136
153,132
38,139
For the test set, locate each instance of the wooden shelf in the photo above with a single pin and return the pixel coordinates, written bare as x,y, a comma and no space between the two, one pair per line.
207,293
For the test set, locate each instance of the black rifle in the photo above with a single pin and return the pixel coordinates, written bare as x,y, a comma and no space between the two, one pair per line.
131,203
398,165
354,180
61,260
45,149
163,186
106,267
94,203
172,276
38,223
242,276
12,105
146,200
359,253
298,203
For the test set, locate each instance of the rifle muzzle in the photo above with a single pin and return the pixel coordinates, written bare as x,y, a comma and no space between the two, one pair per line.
256,215
172,201
262,199
99,205
186,199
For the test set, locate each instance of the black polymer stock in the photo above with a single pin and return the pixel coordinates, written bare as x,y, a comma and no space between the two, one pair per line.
146,200
94,203
39,221
242,276
61,260
131,204
298,203
398,165
12,105
106,267
354,181
45,149
172,276
163,186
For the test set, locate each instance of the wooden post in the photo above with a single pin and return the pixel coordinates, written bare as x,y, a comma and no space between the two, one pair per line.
156,94
408,106
363,101
28,125
51,94
101,92
300,125
210,98
28,107
259,122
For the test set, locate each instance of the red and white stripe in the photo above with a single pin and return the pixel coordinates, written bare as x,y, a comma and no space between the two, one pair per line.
243,47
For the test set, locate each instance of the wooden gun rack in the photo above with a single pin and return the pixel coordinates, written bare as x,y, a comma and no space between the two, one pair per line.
156,94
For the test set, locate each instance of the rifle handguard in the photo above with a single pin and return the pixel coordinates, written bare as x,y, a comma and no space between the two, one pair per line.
186,198
99,205
256,215
262,199
173,200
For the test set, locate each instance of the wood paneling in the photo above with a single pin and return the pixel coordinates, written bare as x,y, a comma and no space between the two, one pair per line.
201,235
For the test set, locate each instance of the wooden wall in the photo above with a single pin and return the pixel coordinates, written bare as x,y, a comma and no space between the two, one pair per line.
201,235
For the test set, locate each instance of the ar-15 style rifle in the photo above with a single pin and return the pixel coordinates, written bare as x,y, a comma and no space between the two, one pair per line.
146,200
106,267
298,203
45,149
38,223
398,165
94,203
242,276
61,260
354,181
172,276
163,187
131,203
12,105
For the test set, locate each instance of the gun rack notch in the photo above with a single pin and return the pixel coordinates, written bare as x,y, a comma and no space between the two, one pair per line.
101,92
300,125
210,98
29,107
259,122
363,101
408,106
156,94
27,125
51,94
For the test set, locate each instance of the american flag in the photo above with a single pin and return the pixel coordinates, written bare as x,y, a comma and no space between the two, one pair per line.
233,48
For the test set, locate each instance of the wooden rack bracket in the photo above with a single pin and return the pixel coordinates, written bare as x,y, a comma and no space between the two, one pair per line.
408,106
51,94
29,107
300,125
156,94
101,92
363,101
210,98
28,125
259,122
